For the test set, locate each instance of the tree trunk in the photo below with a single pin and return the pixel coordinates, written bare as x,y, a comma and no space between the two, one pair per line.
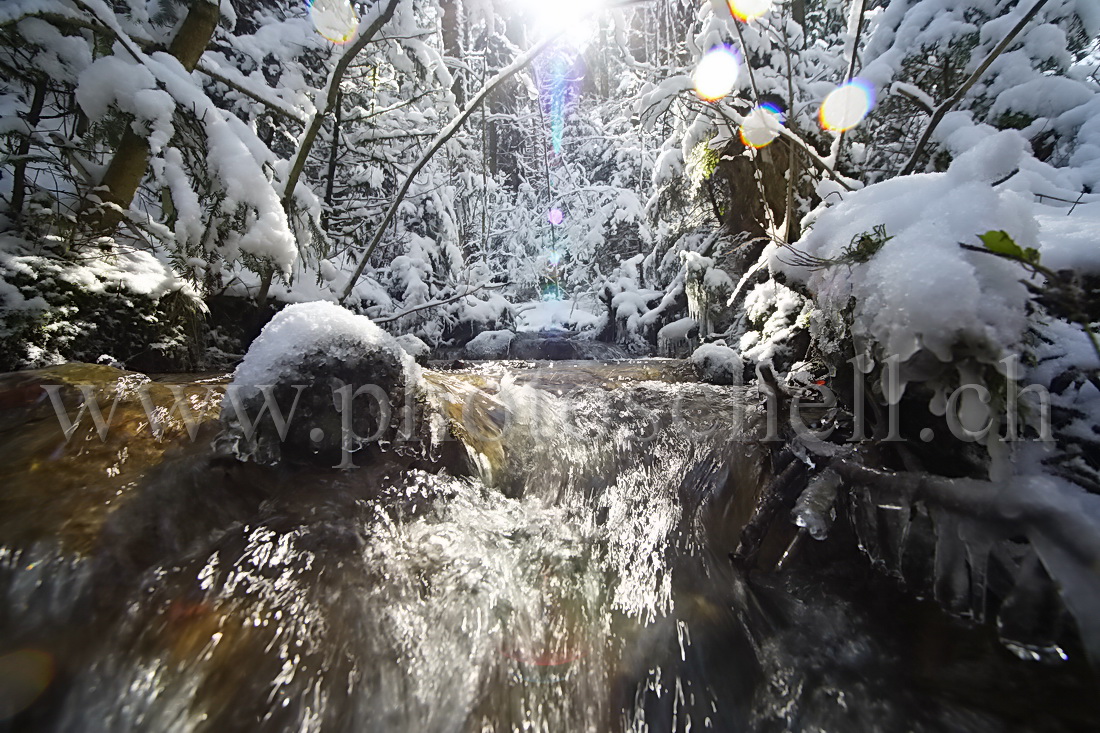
798,13
452,46
334,152
131,160
19,172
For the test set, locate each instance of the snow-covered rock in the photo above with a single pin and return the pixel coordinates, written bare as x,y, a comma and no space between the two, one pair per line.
414,347
718,364
318,384
677,338
921,290
490,345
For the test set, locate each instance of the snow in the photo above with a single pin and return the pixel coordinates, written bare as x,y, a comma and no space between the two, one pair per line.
922,290
1047,96
545,315
490,345
133,271
718,364
111,81
413,346
1069,239
912,90
676,336
300,331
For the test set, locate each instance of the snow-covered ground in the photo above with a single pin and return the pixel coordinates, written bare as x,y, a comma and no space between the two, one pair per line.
549,315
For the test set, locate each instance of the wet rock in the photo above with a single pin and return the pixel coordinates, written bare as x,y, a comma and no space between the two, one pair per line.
553,345
318,385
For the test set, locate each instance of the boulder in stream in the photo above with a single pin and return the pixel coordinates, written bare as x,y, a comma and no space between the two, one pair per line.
718,364
490,345
319,384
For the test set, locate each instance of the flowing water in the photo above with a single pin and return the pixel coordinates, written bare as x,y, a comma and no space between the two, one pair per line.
564,567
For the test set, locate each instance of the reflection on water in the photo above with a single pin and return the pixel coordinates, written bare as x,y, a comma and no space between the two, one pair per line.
565,570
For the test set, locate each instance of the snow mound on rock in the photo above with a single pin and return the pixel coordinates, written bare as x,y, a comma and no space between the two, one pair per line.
718,364
490,345
285,347
414,347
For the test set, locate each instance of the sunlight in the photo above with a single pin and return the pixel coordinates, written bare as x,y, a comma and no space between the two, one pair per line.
555,216
847,105
336,20
574,19
716,74
761,126
747,10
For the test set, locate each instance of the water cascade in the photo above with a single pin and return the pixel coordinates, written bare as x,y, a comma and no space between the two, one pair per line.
557,559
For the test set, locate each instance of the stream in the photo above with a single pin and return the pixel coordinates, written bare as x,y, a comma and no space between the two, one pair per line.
564,567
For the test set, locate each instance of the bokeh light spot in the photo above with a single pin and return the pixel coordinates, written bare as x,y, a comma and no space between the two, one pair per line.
24,675
747,10
716,74
555,216
847,105
761,126
552,291
336,20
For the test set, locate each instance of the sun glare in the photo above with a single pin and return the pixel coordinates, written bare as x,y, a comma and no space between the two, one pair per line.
847,105
747,10
574,19
716,74
336,20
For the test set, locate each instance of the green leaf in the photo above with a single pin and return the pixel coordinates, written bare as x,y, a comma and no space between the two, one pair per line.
1001,243
1031,255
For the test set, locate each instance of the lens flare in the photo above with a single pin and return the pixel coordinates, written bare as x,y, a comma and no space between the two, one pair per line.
847,105
24,675
560,72
747,10
761,126
553,259
716,74
555,216
334,19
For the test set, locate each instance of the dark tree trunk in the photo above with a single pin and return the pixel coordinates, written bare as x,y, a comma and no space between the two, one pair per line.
452,45
334,152
19,172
